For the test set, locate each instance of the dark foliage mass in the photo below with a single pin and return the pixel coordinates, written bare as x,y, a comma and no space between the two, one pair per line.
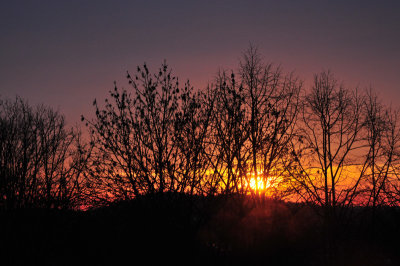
253,169
179,229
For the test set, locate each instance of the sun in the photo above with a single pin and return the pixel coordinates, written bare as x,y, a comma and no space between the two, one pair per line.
259,184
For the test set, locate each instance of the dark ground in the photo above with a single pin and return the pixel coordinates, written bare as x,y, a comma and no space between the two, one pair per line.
177,229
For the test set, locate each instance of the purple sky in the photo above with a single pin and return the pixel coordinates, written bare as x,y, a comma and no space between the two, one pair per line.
66,53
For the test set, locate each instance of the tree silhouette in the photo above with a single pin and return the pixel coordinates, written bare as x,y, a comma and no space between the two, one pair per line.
271,100
226,151
150,140
383,140
389,177
331,122
41,162
252,127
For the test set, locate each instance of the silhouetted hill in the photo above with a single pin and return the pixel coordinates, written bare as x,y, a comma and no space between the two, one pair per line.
179,229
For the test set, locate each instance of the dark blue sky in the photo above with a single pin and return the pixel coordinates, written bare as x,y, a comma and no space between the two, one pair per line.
66,53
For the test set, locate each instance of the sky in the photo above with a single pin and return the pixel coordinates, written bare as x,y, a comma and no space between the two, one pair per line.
67,53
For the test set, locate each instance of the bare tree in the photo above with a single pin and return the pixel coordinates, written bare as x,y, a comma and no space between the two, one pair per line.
271,105
381,139
37,166
227,151
149,140
330,138
387,180
253,125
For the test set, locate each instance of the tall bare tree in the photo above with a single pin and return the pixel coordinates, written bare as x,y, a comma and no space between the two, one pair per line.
253,125
271,100
331,122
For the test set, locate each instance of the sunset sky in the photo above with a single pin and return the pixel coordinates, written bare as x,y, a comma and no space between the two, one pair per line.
66,53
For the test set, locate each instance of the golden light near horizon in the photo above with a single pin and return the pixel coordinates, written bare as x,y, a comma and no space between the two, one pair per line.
261,184
257,183
249,183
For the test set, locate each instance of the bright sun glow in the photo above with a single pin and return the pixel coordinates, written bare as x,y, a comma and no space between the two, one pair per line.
259,184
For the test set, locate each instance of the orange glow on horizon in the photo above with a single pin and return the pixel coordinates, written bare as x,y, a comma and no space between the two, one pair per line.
263,185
